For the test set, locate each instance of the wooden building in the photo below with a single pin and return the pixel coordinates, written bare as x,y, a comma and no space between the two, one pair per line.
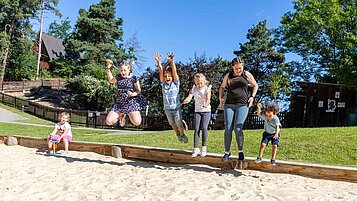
323,105
51,49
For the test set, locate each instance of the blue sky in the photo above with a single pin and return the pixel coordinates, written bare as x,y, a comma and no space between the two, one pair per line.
185,27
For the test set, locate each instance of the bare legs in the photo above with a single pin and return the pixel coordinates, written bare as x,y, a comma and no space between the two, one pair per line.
273,153
134,117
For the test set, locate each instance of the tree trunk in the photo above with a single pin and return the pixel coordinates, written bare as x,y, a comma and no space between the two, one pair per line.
3,68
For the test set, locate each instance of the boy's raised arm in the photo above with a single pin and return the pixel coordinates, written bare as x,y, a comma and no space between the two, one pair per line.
170,57
157,58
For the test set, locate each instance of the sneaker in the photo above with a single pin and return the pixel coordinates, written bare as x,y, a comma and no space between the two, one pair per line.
272,161
184,124
240,156
258,160
65,153
51,152
225,157
195,152
184,138
204,151
179,137
122,120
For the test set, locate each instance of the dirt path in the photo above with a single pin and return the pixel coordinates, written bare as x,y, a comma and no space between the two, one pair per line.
7,116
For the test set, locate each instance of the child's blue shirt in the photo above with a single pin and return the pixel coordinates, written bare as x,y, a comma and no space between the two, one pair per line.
170,93
269,126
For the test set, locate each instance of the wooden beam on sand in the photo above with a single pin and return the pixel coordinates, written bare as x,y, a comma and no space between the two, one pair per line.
184,157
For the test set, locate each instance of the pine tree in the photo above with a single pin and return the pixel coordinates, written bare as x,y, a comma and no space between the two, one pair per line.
265,62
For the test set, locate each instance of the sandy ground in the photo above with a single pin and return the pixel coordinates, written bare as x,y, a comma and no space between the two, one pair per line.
29,174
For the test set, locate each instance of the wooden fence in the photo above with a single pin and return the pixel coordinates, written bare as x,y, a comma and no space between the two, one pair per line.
96,119
25,85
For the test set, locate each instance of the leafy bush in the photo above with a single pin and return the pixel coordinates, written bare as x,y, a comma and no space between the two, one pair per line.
91,93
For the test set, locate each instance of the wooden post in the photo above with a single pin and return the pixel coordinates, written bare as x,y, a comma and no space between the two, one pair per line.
116,152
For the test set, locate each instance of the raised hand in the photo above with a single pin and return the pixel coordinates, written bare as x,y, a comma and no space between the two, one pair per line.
157,57
259,105
170,56
108,63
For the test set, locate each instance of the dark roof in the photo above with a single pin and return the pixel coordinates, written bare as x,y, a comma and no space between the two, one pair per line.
54,47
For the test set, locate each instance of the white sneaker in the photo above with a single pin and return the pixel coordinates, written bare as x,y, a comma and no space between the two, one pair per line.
195,152
203,151
122,120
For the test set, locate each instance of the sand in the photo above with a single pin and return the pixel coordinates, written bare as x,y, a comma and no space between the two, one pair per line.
29,174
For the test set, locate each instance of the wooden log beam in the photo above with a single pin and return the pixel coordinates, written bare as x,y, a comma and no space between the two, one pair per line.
184,157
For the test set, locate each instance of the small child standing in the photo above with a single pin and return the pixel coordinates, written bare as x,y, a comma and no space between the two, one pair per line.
64,130
271,130
202,95
170,84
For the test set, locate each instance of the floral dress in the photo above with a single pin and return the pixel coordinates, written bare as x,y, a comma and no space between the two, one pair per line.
123,103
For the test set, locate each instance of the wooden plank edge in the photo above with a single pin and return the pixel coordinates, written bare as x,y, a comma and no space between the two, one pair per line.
184,157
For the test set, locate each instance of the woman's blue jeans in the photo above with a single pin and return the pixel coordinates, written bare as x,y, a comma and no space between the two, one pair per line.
234,117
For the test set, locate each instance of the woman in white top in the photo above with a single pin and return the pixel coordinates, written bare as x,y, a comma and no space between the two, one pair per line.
201,92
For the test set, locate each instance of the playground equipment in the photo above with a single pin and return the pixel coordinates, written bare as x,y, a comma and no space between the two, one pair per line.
54,147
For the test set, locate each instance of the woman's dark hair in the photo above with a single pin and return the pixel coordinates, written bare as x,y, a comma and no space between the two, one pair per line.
237,60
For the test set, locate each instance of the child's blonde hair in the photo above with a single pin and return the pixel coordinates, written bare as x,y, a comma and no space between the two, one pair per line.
199,76
64,114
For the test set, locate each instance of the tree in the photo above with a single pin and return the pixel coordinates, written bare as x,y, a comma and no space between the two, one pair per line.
265,62
98,34
60,30
15,18
323,33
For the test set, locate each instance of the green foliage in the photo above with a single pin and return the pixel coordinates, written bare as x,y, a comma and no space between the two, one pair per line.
21,61
44,74
324,34
60,30
15,18
91,93
265,62
63,68
98,34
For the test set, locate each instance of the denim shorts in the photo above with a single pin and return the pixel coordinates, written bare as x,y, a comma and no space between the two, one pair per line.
174,117
270,137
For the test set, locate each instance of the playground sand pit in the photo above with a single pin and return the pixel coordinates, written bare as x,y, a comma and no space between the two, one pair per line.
29,174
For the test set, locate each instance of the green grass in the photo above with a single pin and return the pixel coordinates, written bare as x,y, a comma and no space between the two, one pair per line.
328,146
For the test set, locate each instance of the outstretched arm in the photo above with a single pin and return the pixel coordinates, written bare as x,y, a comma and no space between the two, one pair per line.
259,110
170,57
157,58
110,76
188,98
